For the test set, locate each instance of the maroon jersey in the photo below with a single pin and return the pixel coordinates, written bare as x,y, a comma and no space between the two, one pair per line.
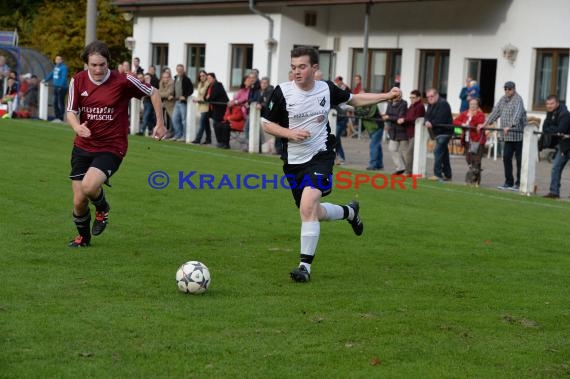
105,108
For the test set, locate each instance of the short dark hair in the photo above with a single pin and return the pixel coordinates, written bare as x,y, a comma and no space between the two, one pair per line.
311,52
96,47
212,75
416,93
552,97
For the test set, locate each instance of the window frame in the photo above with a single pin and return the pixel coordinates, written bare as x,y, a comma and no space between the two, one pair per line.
245,56
159,56
391,71
436,81
556,55
199,60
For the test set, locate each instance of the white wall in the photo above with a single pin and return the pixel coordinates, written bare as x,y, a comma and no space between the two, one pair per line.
469,29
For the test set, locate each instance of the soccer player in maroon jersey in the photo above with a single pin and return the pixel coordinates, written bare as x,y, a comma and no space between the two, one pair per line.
97,110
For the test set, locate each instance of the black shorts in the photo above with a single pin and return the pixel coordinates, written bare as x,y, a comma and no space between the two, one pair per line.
316,173
81,160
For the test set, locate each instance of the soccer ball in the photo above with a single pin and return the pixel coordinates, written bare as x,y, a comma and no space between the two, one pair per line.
193,277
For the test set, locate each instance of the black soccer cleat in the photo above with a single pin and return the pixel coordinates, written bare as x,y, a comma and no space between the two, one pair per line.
101,221
356,222
300,275
79,241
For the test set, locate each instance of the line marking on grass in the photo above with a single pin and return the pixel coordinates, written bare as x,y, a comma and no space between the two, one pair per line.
495,197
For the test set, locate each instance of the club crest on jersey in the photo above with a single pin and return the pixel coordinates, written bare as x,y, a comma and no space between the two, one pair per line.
322,101
321,118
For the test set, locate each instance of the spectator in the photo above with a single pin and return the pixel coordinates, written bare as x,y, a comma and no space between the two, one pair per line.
137,69
414,111
473,138
318,75
374,125
474,92
202,88
463,95
398,144
510,109
183,89
59,77
11,91
437,120
31,96
149,117
557,121
217,98
357,84
166,93
126,67
4,73
340,84
153,78
265,92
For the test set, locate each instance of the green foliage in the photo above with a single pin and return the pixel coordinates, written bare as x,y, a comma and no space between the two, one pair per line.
58,28
446,282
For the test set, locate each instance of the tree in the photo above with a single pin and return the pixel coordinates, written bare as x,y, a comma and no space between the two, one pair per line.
58,28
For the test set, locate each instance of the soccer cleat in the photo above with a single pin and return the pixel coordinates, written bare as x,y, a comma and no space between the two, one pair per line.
79,241
356,222
300,275
101,221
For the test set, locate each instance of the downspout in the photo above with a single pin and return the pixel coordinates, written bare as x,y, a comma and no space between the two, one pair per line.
365,47
271,42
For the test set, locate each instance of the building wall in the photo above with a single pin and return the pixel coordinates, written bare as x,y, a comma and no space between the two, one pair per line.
469,29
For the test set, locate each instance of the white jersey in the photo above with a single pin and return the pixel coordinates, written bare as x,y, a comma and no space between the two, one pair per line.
293,108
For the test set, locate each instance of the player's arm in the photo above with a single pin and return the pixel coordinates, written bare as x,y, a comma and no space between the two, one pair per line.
159,130
275,119
277,130
363,99
72,106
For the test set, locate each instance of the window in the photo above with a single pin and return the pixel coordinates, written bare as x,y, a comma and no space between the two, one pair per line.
242,62
434,70
310,18
159,56
551,76
326,64
195,61
383,68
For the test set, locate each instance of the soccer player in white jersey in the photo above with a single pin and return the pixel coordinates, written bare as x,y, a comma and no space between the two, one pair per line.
297,113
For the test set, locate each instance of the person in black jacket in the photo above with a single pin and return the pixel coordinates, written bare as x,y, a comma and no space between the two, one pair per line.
557,121
439,113
217,98
183,89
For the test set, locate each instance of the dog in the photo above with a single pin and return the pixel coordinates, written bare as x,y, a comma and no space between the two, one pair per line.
473,176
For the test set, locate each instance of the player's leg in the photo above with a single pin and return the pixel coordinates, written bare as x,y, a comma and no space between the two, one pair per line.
104,165
81,216
309,207
92,187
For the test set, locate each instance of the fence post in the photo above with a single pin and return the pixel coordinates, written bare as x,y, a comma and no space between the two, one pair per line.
333,119
135,116
529,160
254,127
421,137
191,114
43,101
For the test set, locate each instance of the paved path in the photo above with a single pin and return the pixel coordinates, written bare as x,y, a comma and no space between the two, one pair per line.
357,156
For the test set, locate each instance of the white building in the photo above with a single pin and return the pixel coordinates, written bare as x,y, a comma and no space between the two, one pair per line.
425,43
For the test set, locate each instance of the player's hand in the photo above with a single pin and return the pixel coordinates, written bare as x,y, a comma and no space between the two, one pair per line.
82,130
299,135
159,132
395,92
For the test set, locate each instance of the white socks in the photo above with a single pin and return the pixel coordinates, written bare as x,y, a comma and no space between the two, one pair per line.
310,232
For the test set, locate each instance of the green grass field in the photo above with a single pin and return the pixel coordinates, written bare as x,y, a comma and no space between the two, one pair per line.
447,281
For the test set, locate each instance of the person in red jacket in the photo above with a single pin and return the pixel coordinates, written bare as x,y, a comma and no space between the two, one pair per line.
414,111
473,138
